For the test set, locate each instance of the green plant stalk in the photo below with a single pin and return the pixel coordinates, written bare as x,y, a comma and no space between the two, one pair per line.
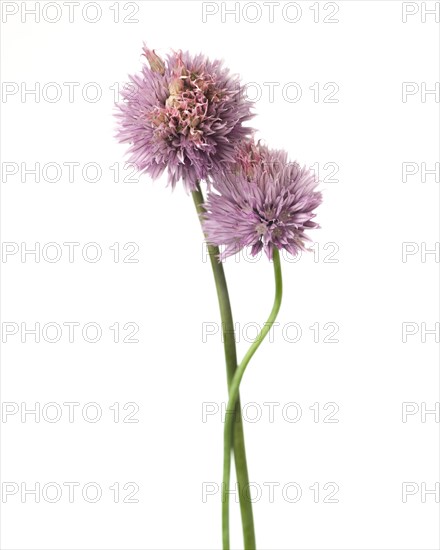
234,394
237,434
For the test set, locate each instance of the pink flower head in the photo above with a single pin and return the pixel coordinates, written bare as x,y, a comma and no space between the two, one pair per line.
262,201
184,115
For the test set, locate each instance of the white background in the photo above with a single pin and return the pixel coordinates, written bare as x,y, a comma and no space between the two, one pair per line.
367,290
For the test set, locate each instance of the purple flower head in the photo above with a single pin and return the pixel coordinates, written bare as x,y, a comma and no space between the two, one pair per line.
262,201
184,114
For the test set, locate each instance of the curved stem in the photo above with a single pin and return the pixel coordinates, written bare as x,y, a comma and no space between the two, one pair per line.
233,396
237,439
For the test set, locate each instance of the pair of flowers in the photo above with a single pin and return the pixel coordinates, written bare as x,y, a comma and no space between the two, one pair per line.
185,115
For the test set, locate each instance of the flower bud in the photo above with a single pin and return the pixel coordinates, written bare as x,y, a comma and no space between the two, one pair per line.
156,63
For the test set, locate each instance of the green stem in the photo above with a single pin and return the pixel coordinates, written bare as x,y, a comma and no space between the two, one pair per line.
237,440
233,397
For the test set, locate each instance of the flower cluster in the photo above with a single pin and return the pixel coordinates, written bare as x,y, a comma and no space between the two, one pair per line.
262,201
185,115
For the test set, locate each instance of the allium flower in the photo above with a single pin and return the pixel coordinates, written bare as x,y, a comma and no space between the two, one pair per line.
262,201
184,114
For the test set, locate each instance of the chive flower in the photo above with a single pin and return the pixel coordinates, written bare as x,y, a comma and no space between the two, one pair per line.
184,114
261,200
